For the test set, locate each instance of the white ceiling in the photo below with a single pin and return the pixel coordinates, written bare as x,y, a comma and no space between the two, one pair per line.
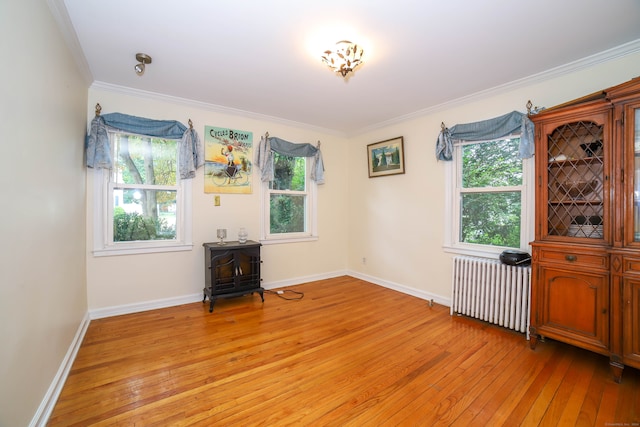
263,56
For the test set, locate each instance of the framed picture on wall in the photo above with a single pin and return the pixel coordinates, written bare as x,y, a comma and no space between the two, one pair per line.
228,155
386,157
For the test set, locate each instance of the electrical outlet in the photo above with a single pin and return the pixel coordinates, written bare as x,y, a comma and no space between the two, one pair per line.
364,260
216,200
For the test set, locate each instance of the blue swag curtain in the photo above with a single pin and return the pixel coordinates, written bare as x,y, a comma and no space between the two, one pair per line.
98,146
268,145
495,128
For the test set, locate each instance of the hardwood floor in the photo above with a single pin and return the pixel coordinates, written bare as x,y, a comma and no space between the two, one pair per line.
350,353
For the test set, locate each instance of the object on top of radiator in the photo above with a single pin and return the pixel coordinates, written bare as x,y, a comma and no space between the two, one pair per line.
513,257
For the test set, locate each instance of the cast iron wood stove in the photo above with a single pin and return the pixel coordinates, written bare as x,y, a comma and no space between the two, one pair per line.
231,270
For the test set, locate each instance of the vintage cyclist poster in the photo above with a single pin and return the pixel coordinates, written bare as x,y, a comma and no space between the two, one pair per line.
228,155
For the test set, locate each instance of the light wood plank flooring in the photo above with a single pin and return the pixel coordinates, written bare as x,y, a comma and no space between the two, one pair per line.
350,353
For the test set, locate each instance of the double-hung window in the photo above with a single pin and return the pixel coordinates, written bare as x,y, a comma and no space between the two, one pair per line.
142,204
289,201
490,197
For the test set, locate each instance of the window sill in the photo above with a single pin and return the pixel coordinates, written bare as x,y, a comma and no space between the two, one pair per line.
491,253
115,251
289,240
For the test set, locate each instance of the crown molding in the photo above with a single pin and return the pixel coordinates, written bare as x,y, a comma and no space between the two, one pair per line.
123,90
571,67
581,64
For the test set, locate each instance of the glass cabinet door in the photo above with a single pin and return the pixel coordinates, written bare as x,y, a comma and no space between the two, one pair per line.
635,127
575,185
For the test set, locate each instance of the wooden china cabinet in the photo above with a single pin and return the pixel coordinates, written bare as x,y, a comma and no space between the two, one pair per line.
586,255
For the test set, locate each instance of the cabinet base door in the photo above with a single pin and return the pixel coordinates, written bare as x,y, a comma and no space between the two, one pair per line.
631,325
574,308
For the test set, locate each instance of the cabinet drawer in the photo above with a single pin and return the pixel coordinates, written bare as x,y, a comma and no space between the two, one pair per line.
569,257
631,265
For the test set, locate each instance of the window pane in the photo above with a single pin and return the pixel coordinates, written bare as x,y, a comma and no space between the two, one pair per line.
491,219
287,213
491,164
141,160
289,173
143,215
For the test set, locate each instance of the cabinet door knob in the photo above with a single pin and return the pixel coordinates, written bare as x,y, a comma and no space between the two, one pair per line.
570,258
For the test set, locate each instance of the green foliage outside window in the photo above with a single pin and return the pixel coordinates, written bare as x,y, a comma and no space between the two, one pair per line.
287,214
287,208
491,217
132,226
145,162
491,164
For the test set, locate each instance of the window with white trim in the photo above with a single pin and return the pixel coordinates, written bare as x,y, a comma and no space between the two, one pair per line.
142,205
289,201
490,197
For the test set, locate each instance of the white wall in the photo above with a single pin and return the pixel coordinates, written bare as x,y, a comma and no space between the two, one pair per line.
136,279
42,219
397,222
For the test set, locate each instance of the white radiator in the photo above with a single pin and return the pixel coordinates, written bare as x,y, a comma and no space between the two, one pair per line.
489,290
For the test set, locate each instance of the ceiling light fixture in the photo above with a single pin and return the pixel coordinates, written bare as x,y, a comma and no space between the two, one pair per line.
344,59
143,58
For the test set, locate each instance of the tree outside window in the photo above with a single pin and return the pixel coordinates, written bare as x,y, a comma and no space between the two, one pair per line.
289,200
144,189
489,191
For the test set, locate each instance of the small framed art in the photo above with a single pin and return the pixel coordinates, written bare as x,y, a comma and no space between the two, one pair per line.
386,157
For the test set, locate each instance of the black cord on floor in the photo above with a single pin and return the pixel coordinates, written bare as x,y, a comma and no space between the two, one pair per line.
282,294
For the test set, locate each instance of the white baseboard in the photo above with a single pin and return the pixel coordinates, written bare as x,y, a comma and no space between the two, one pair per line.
301,280
404,289
41,417
100,313
187,299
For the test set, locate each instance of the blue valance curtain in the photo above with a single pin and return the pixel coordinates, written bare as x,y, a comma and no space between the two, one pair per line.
98,146
495,128
268,145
